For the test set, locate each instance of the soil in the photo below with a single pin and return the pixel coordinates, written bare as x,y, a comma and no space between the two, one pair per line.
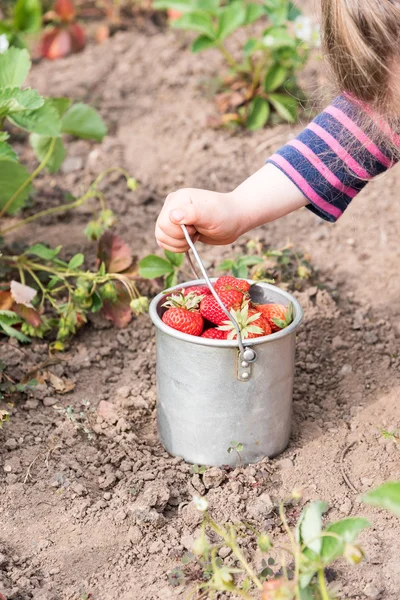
90,503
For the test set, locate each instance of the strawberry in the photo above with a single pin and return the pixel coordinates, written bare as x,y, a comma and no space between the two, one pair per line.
187,321
277,315
197,289
251,323
183,313
211,311
215,334
226,283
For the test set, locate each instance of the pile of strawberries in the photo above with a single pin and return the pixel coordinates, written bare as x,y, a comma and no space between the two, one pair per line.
195,311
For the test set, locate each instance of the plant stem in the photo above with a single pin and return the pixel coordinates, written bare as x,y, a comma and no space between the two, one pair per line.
295,548
49,211
237,552
30,178
322,585
228,57
256,76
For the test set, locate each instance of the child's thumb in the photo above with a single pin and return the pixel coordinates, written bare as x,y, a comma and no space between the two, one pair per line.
184,216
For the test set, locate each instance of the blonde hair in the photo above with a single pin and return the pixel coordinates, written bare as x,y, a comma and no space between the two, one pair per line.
361,41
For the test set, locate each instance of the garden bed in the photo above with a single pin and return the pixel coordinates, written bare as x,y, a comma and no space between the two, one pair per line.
89,501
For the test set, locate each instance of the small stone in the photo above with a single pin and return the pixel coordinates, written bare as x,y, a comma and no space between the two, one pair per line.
123,392
371,337
107,496
213,477
54,571
285,463
11,444
191,515
346,370
79,489
107,482
338,343
49,401
259,508
108,411
371,591
197,483
135,535
224,552
345,508
71,164
31,404
3,559
120,516
156,546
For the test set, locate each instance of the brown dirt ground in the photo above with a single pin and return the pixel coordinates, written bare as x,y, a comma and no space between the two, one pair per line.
110,514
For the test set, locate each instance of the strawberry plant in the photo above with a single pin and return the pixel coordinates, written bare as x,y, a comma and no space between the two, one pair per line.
153,266
261,85
64,35
21,21
305,554
46,120
287,267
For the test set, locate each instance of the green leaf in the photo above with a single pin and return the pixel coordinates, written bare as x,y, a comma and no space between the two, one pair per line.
385,496
251,46
152,266
28,16
9,317
242,271
76,261
43,251
60,104
278,37
202,43
196,22
309,526
174,258
250,261
275,78
253,13
293,12
231,18
285,106
12,176
7,152
13,100
226,265
14,67
183,6
348,530
14,333
53,281
208,6
258,113
41,146
44,121
83,121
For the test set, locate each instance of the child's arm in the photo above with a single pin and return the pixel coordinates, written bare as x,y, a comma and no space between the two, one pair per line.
324,169
222,218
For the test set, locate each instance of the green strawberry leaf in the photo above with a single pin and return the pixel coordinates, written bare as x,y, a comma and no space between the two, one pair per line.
28,16
231,18
285,106
14,67
202,43
153,266
258,114
14,100
7,152
275,78
43,121
83,121
201,23
41,146
12,176
385,496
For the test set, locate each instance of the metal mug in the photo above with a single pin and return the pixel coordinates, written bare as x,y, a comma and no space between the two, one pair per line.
213,394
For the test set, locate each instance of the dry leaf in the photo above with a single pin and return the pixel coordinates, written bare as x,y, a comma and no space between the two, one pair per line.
61,386
6,302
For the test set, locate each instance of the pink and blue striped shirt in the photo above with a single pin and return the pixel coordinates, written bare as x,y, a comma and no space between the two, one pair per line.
334,157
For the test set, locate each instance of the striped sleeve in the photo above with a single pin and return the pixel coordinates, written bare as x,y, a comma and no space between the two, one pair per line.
334,157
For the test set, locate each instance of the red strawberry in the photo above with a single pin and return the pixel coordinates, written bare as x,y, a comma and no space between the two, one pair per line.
226,283
277,315
215,334
184,320
197,289
251,323
211,311
183,313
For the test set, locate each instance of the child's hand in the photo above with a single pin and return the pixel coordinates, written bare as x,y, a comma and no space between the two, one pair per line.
218,219
212,218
